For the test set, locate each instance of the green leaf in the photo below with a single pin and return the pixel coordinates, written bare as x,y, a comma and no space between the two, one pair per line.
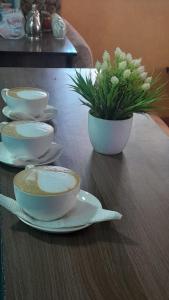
116,102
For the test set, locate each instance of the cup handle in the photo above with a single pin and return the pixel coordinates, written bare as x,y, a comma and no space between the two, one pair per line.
2,124
50,110
3,93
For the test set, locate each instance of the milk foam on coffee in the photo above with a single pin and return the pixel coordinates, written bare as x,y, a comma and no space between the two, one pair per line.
27,129
55,182
46,180
27,93
32,129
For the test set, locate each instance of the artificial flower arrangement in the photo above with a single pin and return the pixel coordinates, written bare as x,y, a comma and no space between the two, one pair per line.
122,87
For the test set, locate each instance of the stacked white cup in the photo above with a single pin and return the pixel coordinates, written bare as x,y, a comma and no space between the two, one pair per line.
26,100
26,139
47,192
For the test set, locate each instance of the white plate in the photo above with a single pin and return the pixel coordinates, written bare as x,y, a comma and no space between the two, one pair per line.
43,118
7,158
83,196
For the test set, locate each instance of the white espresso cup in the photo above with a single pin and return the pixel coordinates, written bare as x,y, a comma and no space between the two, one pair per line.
46,192
26,100
27,139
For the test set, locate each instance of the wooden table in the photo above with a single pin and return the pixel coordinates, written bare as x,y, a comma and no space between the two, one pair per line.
122,260
48,52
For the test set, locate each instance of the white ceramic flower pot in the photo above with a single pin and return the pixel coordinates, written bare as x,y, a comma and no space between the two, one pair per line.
108,136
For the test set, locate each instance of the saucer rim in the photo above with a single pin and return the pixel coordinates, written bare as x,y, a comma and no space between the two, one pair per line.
61,230
24,164
65,229
36,119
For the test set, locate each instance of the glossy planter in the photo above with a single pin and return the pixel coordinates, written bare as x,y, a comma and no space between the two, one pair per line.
108,136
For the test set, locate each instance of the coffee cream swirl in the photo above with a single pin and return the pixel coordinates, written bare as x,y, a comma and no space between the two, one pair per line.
48,180
26,129
27,93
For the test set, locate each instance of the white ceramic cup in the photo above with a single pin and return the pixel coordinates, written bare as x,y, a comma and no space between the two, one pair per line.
46,193
26,100
27,139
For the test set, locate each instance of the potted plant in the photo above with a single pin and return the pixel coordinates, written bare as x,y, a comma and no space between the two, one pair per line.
121,88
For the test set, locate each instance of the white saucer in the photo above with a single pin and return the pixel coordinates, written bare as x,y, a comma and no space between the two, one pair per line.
80,210
6,157
44,117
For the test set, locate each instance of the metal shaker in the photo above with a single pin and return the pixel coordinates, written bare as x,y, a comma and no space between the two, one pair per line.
33,24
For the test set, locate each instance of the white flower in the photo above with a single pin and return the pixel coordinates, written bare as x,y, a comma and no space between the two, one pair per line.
98,65
140,69
126,73
114,80
143,75
148,80
122,56
122,65
136,62
106,56
129,57
104,65
119,54
118,51
145,86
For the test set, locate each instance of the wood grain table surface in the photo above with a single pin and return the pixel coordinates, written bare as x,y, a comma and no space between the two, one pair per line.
46,52
121,260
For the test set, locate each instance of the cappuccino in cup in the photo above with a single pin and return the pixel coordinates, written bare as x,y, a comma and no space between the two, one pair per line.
46,192
27,139
27,100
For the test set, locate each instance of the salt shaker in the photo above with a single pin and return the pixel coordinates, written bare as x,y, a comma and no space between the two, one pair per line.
33,24
58,27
